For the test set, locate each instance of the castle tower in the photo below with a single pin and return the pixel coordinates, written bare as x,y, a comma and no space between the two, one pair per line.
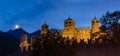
69,28
44,29
95,27
24,42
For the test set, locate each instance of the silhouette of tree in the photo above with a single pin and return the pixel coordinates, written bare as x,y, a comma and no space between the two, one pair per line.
110,23
54,45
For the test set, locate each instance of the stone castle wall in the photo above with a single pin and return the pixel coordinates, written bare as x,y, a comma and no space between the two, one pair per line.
82,33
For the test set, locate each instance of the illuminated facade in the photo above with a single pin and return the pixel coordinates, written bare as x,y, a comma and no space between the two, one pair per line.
69,31
44,29
82,33
24,45
69,28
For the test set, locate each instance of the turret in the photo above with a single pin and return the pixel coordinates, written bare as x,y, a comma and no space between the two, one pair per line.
95,27
44,29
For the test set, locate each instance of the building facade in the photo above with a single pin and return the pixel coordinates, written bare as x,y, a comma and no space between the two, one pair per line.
70,31
24,45
85,33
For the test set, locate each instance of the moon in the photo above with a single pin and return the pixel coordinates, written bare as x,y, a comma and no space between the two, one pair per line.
16,26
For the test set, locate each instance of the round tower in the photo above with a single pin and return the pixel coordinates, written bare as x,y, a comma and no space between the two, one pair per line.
44,29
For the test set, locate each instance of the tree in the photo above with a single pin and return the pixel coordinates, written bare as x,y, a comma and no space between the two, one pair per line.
110,23
53,44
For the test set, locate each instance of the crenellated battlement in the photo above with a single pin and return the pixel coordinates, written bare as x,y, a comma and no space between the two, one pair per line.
80,33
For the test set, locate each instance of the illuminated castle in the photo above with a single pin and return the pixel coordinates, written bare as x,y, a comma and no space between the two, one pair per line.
24,42
82,33
44,29
69,31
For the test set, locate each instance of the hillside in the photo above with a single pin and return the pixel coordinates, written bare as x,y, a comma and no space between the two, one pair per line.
8,44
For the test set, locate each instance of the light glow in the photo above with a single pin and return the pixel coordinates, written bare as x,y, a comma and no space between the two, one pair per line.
16,26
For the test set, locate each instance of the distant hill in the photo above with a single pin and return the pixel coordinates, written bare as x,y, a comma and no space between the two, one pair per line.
34,33
8,44
13,37
17,33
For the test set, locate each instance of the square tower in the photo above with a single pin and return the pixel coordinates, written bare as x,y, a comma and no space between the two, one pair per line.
95,27
44,29
69,28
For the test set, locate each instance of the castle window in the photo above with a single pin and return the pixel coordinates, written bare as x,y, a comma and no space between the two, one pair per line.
96,21
45,26
43,34
93,22
68,29
42,26
66,22
69,22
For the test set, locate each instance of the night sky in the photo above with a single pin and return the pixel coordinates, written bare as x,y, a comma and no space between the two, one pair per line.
31,14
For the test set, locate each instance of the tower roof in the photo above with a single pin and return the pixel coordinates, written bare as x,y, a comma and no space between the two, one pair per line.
94,19
69,19
45,24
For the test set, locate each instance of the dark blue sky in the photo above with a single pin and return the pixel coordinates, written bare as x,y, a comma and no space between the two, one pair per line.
31,14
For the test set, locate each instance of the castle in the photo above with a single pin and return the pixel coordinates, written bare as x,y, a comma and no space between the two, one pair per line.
80,33
70,31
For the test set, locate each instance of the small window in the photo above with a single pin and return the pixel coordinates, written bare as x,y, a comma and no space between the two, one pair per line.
96,21
42,26
93,22
69,22
45,26
66,22
43,34
68,29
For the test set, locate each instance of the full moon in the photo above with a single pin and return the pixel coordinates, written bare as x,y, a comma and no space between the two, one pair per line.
16,26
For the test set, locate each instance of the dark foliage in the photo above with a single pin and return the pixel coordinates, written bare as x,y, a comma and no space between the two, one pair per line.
58,46
110,23
53,46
